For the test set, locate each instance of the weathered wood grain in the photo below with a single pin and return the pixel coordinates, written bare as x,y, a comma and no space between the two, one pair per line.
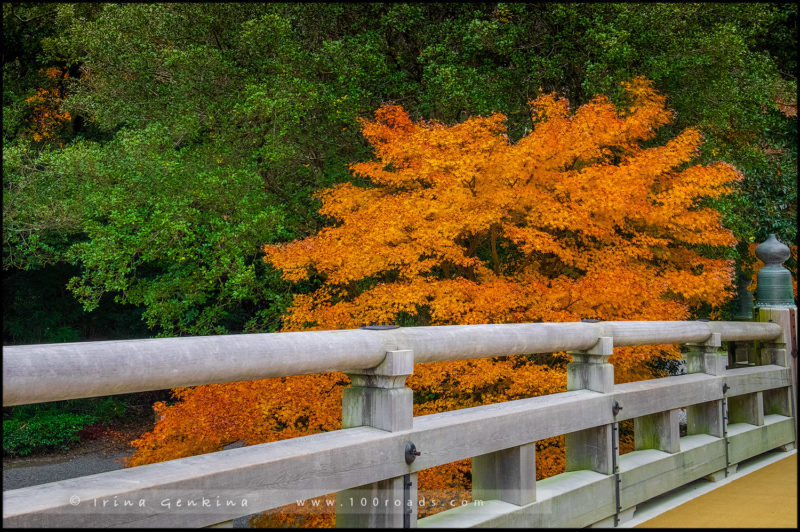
52,372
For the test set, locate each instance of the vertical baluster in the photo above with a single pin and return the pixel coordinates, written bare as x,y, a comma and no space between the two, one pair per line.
597,448
747,408
705,418
706,357
708,418
658,431
508,475
741,354
591,448
377,397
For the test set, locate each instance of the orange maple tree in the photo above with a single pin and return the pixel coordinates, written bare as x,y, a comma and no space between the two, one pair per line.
461,226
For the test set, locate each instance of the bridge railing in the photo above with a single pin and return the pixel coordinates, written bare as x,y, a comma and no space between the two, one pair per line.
735,409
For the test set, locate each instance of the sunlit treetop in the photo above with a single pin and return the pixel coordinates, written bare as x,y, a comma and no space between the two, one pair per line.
575,219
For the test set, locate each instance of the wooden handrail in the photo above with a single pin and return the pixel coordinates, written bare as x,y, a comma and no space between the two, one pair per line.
54,372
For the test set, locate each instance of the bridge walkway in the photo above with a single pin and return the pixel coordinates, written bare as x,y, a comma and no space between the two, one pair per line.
756,496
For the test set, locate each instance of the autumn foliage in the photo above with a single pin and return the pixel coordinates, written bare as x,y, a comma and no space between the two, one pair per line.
463,226
47,119
460,225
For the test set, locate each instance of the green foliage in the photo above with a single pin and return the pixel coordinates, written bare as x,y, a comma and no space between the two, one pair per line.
47,430
55,425
175,231
38,308
101,409
109,409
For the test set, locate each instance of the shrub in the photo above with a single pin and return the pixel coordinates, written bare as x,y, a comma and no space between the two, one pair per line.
46,430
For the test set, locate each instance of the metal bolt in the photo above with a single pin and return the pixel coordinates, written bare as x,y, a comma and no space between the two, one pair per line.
411,452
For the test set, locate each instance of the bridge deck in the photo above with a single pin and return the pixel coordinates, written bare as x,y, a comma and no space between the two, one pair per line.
760,498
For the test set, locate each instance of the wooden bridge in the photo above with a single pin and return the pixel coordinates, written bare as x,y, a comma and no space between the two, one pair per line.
739,403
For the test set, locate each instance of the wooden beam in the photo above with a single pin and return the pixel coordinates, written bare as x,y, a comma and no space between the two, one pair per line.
53,372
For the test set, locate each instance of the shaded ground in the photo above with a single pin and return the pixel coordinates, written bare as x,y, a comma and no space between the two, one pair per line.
100,449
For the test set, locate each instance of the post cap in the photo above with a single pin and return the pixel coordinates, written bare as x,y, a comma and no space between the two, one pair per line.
772,251
774,281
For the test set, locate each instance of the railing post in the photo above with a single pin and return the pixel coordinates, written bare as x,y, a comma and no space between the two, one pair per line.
597,448
781,352
775,302
706,357
377,397
591,448
708,418
705,418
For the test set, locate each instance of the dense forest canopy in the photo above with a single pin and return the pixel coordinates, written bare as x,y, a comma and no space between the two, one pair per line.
150,151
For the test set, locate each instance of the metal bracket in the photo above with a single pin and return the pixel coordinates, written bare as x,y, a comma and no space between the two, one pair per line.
614,452
725,433
375,327
407,511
